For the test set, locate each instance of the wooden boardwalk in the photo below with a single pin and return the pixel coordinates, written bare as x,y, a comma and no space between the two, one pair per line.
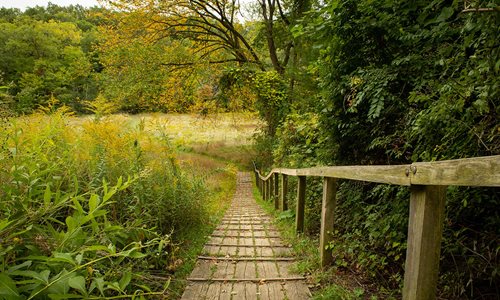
245,257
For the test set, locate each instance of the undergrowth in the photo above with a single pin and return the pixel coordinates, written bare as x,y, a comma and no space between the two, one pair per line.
91,211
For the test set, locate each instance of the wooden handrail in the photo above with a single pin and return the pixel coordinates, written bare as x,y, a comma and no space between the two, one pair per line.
427,182
478,171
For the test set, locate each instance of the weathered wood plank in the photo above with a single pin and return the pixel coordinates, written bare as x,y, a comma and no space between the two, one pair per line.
424,242
194,290
245,269
213,291
217,258
225,291
260,279
250,291
297,291
327,218
301,202
478,171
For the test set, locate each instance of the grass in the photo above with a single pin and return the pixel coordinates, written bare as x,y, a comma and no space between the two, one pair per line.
188,130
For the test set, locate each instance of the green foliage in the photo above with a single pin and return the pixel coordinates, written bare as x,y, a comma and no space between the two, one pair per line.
401,82
70,226
272,99
301,142
44,57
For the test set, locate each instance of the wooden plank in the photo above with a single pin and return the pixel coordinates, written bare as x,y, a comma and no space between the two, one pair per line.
284,268
301,202
245,269
297,291
379,174
238,292
225,292
271,187
294,278
244,245
224,269
250,291
327,218
216,258
268,189
271,291
195,290
213,291
424,242
246,234
202,268
284,190
478,171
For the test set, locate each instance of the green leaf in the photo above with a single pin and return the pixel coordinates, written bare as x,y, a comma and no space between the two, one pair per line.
78,283
8,289
93,203
446,13
42,276
77,205
99,282
98,248
125,280
4,223
135,254
71,223
17,267
64,257
47,196
59,283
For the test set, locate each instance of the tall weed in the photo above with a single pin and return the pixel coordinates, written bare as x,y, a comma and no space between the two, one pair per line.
72,226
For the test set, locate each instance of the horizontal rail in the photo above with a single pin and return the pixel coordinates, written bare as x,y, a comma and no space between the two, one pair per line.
478,171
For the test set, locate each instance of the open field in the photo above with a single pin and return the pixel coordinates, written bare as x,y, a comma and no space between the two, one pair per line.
190,129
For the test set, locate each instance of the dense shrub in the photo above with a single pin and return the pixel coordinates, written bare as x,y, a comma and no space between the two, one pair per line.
402,81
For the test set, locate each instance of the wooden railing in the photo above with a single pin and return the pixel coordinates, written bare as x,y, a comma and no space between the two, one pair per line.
427,182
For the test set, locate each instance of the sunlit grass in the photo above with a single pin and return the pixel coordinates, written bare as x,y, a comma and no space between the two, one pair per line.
191,129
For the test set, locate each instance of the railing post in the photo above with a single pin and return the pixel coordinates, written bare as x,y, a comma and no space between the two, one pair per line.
301,203
284,189
327,218
276,191
267,189
271,186
264,189
424,242
261,188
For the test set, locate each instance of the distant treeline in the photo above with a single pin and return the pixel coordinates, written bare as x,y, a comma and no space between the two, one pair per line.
74,55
